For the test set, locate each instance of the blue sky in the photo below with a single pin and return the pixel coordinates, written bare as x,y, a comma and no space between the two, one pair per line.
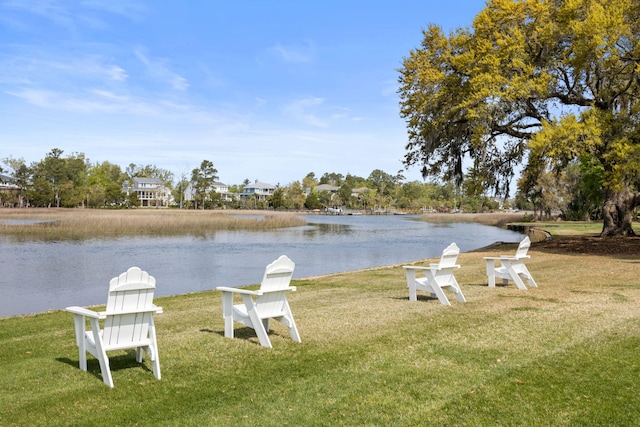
268,90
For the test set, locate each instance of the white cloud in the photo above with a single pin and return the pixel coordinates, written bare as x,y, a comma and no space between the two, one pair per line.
294,55
159,70
83,14
127,8
49,9
299,109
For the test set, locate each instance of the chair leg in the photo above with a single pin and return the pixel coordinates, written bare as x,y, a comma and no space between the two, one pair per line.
529,277
80,330
440,294
82,354
411,284
102,357
105,369
227,313
291,323
154,355
514,275
491,273
261,332
458,291
435,287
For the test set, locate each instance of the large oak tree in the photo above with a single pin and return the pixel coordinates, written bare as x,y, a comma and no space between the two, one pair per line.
542,81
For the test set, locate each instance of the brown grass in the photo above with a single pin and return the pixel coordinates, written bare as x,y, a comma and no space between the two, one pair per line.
91,223
495,219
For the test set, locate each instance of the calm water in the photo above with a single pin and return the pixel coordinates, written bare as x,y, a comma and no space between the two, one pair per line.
38,276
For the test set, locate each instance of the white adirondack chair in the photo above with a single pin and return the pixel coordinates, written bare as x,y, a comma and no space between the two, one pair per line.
128,322
511,267
436,277
270,303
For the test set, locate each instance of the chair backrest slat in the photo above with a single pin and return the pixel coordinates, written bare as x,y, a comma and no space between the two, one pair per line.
523,247
449,256
277,275
131,291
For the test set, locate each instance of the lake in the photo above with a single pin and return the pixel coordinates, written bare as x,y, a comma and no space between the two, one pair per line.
38,276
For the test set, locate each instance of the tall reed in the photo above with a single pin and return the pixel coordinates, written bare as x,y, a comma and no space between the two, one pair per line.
58,224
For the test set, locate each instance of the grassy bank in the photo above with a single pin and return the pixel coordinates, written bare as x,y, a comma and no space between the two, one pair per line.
564,354
92,223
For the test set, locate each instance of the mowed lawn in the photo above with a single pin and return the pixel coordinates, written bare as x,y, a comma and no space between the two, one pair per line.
564,354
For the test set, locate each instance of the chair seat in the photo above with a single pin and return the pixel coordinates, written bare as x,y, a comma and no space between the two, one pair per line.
119,346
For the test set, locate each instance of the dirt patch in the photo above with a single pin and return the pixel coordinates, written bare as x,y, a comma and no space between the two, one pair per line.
629,246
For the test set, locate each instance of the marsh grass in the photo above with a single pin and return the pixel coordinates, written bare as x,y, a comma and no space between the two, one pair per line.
564,354
96,223
495,219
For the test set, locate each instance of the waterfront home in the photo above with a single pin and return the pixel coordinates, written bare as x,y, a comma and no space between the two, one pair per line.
151,192
218,187
260,190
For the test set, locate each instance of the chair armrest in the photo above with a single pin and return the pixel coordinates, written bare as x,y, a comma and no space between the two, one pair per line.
152,309
85,312
237,290
437,267
491,258
290,288
431,267
415,267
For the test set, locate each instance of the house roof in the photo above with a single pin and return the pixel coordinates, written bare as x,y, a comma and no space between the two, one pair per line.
326,187
260,185
147,180
144,183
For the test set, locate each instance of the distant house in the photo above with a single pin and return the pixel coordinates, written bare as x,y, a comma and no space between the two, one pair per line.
151,192
261,190
326,187
8,188
357,192
8,183
322,187
218,187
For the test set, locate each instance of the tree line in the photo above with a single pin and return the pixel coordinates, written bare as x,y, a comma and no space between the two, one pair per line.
71,181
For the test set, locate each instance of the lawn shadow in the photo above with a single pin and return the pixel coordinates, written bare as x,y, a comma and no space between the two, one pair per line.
116,363
421,297
245,333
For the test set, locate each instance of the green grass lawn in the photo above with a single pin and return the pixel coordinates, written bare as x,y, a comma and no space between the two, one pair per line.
569,228
564,354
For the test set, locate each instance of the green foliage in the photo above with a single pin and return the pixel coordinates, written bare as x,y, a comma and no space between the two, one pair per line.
312,201
202,179
277,199
554,80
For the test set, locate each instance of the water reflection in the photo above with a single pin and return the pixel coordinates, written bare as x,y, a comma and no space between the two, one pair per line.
325,228
37,276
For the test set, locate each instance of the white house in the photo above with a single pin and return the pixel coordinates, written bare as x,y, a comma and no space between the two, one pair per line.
8,183
261,190
151,192
218,187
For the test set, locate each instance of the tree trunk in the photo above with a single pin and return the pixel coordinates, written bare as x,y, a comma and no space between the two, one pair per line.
618,214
